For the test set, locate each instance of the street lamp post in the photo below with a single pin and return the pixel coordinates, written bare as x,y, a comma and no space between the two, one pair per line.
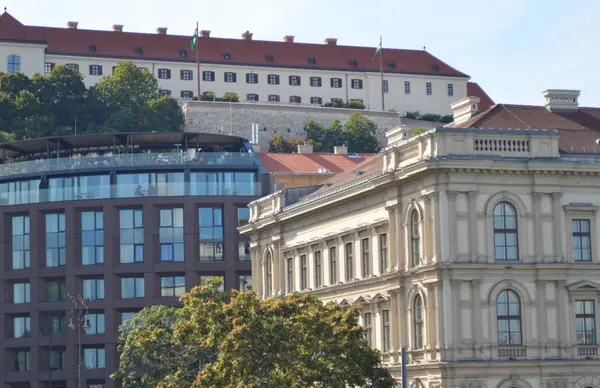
78,321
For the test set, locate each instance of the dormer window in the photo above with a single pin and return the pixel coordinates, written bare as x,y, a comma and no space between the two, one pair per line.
183,53
269,58
312,60
139,51
353,63
392,65
92,48
227,55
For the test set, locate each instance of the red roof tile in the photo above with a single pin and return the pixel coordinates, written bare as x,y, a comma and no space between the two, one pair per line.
243,52
474,90
310,163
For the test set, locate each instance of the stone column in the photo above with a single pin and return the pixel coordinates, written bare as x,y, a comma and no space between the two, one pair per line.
325,262
426,235
431,318
278,269
476,317
557,226
393,237
562,324
440,322
394,325
257,270
473,228
537,227
542,326
457,318
452,225
378,326
436,254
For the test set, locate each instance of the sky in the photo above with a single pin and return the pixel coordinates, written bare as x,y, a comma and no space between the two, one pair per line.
514,49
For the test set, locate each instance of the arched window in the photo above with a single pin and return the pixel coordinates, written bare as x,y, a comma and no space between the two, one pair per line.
269,282
415,238
418,322
506,246
508,314
14,63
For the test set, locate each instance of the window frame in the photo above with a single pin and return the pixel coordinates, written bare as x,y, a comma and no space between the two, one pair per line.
383,253
356,83
386,340
99,290
504,231
274,98
135,280
95,318
368,327
450,90
318,263
585,316
186,94
365,256
252,97
295,80
98,230
290,274
48,67
349,261
177,289
269,275
273,79
303,272
186,75
579,212
217,228
406,87
26,292
418,322
295,100
13,63
163,73
95,70
315,82
230,77
333,267
508,318
169,236
578,235
428,89
26,360
208,76
25,235
336,82
60,249
251,78
316,101
415,238
136,232
98,363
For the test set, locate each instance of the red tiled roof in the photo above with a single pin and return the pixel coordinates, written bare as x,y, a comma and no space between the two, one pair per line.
243,52
578,129
310,163
474,90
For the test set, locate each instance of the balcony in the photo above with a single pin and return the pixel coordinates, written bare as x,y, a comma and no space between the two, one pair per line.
511,352
586,351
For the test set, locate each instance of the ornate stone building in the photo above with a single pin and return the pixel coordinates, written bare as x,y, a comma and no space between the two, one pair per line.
474,249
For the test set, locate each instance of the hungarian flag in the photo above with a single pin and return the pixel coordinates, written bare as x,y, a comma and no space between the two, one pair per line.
378,50
194,38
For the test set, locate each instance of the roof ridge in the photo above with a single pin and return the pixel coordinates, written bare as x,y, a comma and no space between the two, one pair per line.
517,117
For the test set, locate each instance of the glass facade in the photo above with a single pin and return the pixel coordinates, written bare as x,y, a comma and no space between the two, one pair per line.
92,238
55,240
20,242
97,323
223,183
93,289
21,327
171,235
211,233
150,184
131,225
172,286
56,290
19,192
94,358
132,288
79,187
21,293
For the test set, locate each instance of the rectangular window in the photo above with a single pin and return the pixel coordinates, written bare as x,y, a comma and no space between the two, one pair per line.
208,76
245,283
171,286
349,262
428,90
243,215
55,240
385,321
336,83
224,183
251,97
93,289
187,94
386,88
21,327
581,240
230,76
57,324
290,275
171,235
303,273
132,288
273,98
56,290
368,326
383,253
164,73
126,316
20,242
210,222
318,270
73,66
295,99
95,69
94,358
165,92
406,87
244,251
186,75
57,359
333,265
585,322
251,78
366,260
295,80
316,100
162,184
14,64
21,361
97,323
131,233
357,84
79,187
21,293
92,237
48,67
273,79
450,90
315,82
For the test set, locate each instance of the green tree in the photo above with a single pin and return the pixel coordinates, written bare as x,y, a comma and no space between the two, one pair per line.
417,131
316,134
361,134
166,115
66,97
280,144
324,139
13,83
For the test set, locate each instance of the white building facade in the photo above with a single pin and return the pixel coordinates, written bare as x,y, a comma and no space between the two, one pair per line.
275,72
473,249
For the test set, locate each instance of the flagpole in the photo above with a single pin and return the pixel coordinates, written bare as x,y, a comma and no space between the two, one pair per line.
381,72
198,61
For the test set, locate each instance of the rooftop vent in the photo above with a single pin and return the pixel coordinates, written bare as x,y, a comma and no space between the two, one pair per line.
305,148
560,100
227,55
247,35
288,39
331,41
340,150
72,25
161,30
269,58
118,27
312,60
183,53
205,34
92,48
464,109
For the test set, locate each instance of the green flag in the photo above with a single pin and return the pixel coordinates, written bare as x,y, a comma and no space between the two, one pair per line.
194,38
378,50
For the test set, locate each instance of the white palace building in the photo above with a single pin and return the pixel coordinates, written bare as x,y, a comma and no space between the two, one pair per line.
286,72
475,249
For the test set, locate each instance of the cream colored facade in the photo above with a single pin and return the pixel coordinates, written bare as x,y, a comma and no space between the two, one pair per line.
438,283
33,59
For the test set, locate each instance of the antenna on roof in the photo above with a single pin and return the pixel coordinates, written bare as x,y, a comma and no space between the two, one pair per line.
424,48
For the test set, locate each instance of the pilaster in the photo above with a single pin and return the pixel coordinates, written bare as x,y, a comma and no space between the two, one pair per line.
537,226
394,325
426,237
557,224
452,226
473,229
476,316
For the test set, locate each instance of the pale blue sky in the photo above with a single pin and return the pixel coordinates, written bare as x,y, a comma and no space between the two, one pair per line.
513,48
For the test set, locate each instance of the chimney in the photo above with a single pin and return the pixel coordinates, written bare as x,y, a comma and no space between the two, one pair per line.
464,109
305,148
331,41
161,30
559,100
340,150
205,34
247,35
118,27
288,39
72,25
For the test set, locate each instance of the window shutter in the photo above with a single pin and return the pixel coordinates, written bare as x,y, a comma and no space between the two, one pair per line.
168,73
181,74
299,81
247,79
234,77
99,69
319,83
91,67
225,77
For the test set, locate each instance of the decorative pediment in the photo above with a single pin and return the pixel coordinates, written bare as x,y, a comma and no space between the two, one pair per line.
583,285
361,300
344,303
379,298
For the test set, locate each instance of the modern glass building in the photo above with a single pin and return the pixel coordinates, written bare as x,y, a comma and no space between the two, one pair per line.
125,221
